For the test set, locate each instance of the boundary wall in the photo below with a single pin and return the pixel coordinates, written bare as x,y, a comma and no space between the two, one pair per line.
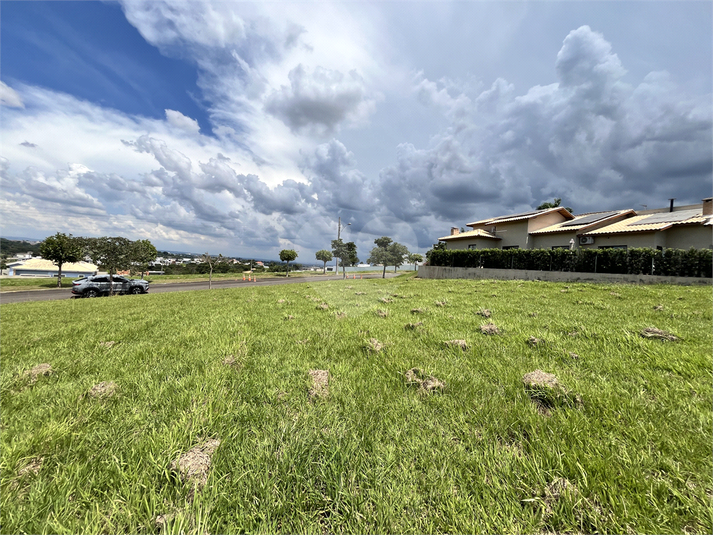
444,272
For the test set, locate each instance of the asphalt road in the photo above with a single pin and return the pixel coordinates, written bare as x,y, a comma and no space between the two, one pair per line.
66,293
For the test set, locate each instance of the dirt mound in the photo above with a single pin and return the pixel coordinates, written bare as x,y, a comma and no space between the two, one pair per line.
230,360
426,384
33,467
373,345
105,389
35,373
540,379
457,343
484,312
573,355
108,344
416,311
386,300
340,315
289,317
194,465
323,306
412,326
359,293
382,313
557,489
547,393
652,332
489,329
533,342
320,384
441,303
281,301
658,307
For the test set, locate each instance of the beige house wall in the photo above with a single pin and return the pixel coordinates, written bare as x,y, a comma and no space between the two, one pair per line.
687,236
542,221
547,241
637,239
514,233
480,243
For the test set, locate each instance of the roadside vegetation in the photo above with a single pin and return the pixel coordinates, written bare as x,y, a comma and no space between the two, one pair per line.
389,406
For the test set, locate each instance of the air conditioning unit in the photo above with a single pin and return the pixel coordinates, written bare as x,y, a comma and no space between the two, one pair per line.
586,240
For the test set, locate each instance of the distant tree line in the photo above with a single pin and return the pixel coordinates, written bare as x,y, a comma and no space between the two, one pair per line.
111,254
10,248
386,253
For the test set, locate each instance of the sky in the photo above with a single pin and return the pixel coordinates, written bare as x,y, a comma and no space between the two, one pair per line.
245,128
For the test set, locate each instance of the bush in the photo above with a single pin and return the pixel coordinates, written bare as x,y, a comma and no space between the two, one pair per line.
636,261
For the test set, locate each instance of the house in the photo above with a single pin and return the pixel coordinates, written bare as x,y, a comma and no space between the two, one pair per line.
39,267
553,228
568,234
505,232
677,229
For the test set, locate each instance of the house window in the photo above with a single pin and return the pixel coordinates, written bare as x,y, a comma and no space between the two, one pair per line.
511,247
612,246
472,246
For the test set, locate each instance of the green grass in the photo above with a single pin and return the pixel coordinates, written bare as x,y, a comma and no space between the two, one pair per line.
375,455
33,283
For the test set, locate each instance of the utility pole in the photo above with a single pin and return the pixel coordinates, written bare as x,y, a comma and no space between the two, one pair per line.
339,237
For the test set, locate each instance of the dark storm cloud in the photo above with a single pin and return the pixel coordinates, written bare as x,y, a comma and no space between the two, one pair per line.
591,138
319,101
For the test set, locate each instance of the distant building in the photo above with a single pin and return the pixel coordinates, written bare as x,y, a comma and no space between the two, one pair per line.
554,228
39,267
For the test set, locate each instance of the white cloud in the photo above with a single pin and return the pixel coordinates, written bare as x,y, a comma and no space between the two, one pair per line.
178,120
9,97
275,85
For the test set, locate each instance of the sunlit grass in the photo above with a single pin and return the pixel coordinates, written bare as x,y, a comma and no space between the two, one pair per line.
375,455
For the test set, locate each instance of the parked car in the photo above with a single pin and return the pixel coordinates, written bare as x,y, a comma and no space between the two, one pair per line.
100,285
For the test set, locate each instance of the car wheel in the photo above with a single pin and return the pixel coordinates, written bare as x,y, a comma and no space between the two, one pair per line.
91,293
137,290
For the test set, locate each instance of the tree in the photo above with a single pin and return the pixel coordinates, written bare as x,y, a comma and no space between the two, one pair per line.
325,256
343,251
211,264
398,254
414,258
110,253
61,249
440,246
352,259
380,254
143,253
554,204
287,255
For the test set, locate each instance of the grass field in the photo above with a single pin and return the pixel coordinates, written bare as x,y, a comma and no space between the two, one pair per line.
45,283
33,283
629,451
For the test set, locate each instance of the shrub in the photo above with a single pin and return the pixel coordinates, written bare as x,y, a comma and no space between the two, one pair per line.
636,261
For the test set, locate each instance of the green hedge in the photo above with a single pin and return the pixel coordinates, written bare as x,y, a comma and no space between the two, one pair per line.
646,261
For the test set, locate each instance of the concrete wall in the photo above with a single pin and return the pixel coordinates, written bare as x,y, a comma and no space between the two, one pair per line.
441,272
687,236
